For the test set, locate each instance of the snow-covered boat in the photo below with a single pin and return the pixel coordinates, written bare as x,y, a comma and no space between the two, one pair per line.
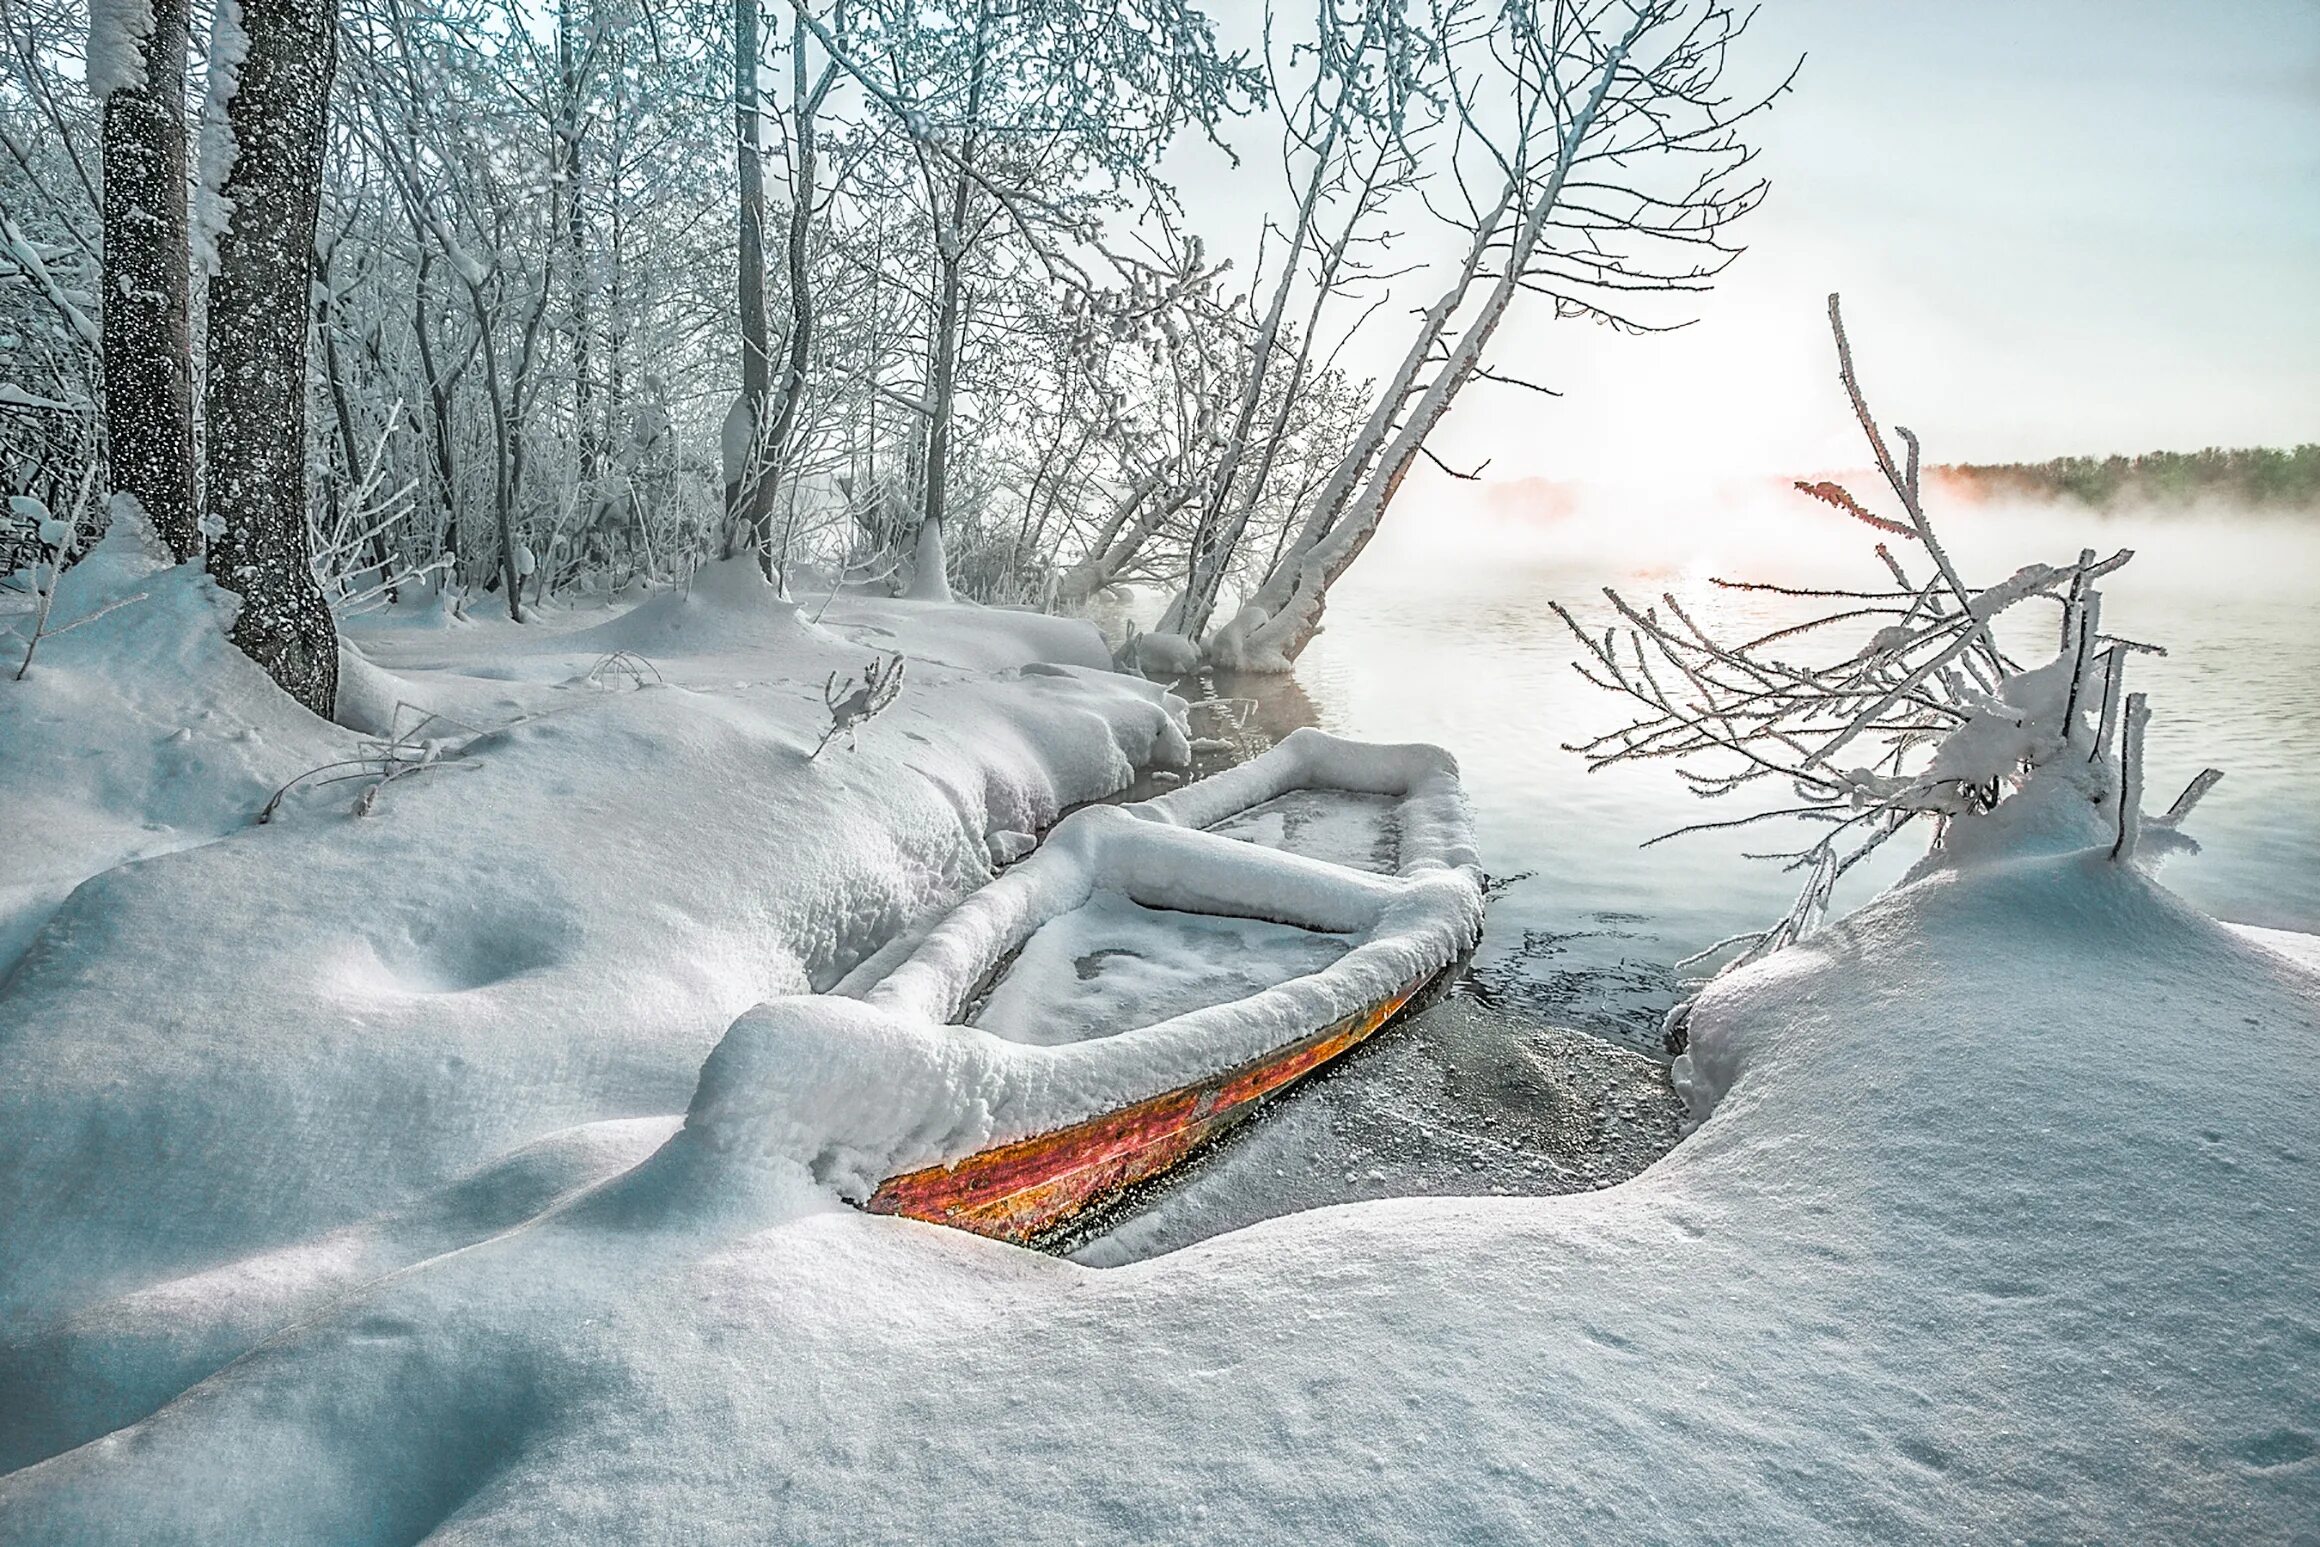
1154,971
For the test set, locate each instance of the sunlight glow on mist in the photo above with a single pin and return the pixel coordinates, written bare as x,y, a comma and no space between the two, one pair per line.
1507,535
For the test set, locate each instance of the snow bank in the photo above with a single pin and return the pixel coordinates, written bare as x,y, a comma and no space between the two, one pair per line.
218,1061
138,731
1952,1257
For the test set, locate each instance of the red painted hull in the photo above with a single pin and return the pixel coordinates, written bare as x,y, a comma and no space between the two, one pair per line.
1028,1189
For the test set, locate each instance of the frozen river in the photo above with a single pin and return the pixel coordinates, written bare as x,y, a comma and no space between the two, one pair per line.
1448,639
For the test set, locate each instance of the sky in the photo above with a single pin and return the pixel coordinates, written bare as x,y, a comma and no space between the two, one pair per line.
2060,227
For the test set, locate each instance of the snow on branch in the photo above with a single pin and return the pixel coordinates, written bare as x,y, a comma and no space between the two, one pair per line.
1912,711
429,744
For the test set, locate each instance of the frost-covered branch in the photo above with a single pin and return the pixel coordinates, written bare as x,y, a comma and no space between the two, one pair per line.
1926,718
853,702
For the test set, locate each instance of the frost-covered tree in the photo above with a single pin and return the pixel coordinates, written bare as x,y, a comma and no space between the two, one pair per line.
1595,158
136,68
973,315
1022,126
270,69
51,371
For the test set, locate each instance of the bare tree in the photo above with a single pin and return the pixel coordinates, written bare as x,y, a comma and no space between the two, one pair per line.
1345,141
1617,165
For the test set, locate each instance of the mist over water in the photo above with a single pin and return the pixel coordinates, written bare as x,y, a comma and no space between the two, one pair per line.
1442,633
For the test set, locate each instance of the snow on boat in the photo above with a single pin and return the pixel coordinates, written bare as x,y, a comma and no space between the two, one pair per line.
1155,970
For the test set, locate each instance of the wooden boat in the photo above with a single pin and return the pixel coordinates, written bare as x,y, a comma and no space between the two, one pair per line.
1161,968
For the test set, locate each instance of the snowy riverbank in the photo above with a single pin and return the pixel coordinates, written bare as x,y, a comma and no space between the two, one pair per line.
262,1035
341,1161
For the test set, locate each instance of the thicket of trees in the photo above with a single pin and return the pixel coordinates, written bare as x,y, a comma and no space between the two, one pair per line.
2251,476
494,303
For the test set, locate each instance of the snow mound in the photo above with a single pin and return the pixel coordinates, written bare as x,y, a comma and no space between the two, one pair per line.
2004,1226
729,605
139,730
238,1048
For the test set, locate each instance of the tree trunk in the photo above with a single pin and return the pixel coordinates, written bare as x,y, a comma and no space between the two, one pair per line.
443,470
930,580
256,398
148,340
804,158
1118,542
574,231
506,438
746,501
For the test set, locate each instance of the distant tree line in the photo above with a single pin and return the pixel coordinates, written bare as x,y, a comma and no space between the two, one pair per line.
2259,475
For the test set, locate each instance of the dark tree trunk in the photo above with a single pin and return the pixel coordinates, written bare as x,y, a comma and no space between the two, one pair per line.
256,399
148,337
437,412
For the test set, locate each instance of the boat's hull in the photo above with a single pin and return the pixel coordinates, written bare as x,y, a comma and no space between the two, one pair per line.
1031,1188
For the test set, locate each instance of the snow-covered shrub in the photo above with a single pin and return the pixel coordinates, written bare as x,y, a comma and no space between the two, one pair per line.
1928,720
53,541
852,701
428,743
621,664
362,537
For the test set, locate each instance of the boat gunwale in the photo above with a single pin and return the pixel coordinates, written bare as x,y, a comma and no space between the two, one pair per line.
941,1197
1438,877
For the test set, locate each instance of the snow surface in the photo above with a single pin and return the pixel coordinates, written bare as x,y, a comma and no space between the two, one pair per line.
222,1050
1111,965
2008,1271
345,1199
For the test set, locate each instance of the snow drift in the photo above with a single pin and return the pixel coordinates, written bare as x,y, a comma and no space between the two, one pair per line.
1948,1256
222,1058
